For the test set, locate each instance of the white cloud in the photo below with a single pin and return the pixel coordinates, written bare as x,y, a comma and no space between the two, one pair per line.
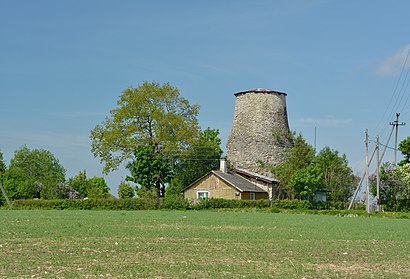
393,64
329,121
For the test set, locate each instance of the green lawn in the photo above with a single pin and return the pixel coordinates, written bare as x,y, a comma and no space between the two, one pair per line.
200,244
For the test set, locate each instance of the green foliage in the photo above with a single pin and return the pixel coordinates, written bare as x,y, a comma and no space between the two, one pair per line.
33,174
298,157
290,204
175,202
150,169
87,204
394,186
149,115
404,147
282,137
338,177
2,166
305,181
202,156
97,188
149,197
80,183
125,191
214,203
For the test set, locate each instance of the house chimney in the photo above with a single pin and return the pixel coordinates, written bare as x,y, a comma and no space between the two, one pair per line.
222,165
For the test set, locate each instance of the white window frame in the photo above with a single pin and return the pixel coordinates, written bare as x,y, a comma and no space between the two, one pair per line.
202,192
252,196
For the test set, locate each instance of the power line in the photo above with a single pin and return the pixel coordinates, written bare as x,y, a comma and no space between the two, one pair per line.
393,95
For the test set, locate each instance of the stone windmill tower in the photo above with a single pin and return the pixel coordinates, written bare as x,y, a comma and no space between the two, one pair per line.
260,130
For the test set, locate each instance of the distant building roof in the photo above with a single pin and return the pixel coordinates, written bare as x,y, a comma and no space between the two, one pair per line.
256,176
260,90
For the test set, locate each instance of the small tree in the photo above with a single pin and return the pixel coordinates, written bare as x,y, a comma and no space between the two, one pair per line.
125,190
151,169
298,157
97,188
390,187
338,177
305,181
33,174
404,147
202,156
80,183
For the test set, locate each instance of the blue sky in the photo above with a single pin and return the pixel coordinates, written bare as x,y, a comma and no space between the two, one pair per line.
63,65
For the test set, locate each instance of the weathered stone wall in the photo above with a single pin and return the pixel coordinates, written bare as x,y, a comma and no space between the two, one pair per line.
260,130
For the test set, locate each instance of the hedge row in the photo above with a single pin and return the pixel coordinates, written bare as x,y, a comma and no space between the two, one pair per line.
167,203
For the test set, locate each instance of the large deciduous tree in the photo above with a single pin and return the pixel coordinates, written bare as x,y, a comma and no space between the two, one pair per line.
338,177
202,156
33,173
150,169
394,186
149,115
305,181
298,157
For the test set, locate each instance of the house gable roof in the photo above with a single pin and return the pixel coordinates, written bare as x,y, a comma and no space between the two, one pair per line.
256,176
236,181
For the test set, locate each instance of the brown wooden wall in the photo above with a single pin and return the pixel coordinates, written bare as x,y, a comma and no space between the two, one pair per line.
258,196
216,187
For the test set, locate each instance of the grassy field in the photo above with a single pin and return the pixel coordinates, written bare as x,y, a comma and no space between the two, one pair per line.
201,244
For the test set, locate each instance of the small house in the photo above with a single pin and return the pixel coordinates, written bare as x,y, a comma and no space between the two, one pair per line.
237,184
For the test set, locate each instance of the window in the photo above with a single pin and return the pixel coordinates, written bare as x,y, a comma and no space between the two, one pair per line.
252,196
202,194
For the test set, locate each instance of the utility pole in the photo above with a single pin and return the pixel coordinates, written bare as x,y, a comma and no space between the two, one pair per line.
396,125
378,201
368,164
315,141
5,195
367,173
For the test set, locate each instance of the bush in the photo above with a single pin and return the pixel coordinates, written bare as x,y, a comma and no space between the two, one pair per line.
175,202
102,204
223,203
291,204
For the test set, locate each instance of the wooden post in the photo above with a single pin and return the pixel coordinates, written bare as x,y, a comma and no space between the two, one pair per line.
367,173
378,174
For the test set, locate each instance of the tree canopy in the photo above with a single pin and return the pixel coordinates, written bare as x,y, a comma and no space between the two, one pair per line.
2,165
306,181
150,169
33,173
202,156
298,157
94,187
404,147
394,186
304,172
338,177
149,115
125,190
